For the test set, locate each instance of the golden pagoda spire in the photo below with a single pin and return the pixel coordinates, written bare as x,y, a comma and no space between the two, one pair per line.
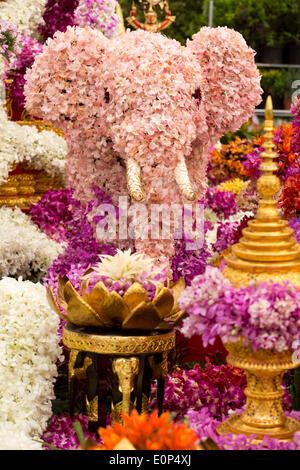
267,249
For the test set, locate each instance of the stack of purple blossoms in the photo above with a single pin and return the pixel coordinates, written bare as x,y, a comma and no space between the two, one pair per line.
62,217
223,203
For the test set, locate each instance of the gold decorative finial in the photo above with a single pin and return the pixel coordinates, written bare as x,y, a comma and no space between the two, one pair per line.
151,23
269,109
267,249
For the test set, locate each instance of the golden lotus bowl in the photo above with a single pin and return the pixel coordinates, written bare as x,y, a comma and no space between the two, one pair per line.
104,309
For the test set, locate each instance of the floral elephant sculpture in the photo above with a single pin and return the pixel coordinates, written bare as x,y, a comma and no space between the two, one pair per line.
140,111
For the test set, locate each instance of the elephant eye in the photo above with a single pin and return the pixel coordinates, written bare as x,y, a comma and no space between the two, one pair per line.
197,95
106,96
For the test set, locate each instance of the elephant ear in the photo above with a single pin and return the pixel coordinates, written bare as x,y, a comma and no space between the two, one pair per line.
64,83
231,79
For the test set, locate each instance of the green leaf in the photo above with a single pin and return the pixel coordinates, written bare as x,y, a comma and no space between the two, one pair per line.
78,429
46,444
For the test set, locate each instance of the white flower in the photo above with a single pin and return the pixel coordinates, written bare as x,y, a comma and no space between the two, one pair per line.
44,150
24,250
127,266
26,15
29,350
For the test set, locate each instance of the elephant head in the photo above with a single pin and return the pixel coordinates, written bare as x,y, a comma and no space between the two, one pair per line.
142,108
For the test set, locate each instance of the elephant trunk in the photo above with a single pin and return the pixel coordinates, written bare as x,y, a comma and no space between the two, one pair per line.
134,180
183,181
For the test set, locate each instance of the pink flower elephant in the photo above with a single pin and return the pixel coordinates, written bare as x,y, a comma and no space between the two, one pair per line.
140,111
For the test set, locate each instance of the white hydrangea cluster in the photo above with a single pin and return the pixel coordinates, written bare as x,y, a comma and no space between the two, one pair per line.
24,250
42,150
29,351
12,438
26,15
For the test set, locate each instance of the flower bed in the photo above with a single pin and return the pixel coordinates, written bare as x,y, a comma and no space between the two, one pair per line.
29,350
24,250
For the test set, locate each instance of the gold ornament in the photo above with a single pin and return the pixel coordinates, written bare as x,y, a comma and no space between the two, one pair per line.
125,352
151,23
117,345
263,413
267,250
126,370
28,186
103,309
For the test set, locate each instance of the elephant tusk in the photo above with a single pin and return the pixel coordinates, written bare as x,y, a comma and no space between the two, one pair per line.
134,180
183,181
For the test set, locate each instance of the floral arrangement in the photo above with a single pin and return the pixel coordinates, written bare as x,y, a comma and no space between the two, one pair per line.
58,15
248,198
288,161
30,348
24,59
235,185
294,223
120,271
205,426
223,203
228,160
122,291
9,41
24,250
26,15
296,126
219,388
54,213
62,218
60,215
60,432
224,232
225,86
14,438
43,150
186,263
266,316
203,397
289,199
228,233
99,14
100,150
149,432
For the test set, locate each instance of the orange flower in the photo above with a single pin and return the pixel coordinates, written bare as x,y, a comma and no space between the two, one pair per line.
227,160
149,432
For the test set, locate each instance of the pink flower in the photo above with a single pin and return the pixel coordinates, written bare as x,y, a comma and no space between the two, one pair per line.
143,96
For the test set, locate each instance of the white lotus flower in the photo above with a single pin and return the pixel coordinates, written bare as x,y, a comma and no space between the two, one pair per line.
127,266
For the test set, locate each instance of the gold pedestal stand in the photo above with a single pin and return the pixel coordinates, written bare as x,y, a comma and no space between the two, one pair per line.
268,252
263,411
135,360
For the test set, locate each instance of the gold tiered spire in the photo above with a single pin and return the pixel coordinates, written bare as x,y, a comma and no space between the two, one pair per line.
267,249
